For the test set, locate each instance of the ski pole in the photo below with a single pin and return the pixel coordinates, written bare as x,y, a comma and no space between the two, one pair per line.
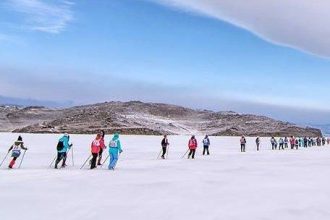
50,165
22,160
185,154
159,154
72,156
85,162
167,149
105,160
4,159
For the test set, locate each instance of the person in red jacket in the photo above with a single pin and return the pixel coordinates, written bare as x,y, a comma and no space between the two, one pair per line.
102,147
95,149
192,144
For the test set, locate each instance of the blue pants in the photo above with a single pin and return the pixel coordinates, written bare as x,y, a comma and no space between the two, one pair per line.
113,160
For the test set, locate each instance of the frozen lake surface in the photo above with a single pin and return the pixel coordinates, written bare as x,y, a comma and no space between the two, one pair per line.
286,185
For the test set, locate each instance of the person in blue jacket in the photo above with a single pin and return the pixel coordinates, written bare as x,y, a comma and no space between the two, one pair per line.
114,151
63,147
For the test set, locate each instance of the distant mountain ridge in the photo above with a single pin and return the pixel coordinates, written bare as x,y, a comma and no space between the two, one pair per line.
21,102
136,117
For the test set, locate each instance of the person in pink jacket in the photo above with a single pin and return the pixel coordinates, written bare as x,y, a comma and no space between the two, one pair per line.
192,144
102,148
95,150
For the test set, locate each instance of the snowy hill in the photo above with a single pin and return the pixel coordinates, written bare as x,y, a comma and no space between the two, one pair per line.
144,118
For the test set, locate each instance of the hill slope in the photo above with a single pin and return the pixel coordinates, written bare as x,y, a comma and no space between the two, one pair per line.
143,118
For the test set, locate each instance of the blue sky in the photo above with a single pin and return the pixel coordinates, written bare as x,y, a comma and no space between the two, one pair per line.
94,51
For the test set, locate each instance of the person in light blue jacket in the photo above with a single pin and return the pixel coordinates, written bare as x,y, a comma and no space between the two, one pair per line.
63,147
114,151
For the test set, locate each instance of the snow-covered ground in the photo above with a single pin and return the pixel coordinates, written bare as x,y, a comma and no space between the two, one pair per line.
226,185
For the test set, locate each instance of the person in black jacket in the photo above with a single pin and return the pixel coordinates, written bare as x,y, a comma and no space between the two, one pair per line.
164,144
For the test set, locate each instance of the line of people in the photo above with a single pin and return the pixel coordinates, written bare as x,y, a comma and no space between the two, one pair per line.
98,146
192,147
283,142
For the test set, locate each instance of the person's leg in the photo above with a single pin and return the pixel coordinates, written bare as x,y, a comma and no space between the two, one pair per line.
207,150
164,152
241,147
114,160
190,153
12,162
58,159
94,158
193,153
110,161
100,157
204,149
64,159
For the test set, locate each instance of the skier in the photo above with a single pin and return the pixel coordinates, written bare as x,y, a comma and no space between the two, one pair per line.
297,143
164,144
309,142
114,151
286,142
281,144
206,145
258,143
243,143
102,148
300,142
95,150
16,151
192,144
63,147
292,142
305,142
274,143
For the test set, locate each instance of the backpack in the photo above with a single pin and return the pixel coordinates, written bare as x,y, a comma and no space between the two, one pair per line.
60,146
206,142
113,144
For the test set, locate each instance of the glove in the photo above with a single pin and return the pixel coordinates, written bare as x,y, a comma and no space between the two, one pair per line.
121,151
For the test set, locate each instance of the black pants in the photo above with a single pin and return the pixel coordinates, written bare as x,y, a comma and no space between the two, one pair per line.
100,157
192,153
60,156
281,147
242,147
93,161
258,146
164,151
206,150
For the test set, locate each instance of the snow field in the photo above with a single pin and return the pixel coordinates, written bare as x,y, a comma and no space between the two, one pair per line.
225,185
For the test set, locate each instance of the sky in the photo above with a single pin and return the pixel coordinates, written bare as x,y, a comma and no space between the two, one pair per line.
261,57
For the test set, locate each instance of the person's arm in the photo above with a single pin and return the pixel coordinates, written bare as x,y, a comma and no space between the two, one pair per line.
119,147
11,147
22,146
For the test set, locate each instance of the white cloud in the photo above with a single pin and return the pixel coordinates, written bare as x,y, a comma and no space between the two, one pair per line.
300,24
44,16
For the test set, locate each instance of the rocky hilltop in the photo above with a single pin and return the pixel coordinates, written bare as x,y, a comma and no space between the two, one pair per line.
143,118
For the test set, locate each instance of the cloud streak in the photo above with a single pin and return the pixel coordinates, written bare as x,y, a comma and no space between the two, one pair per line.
44,17
299,24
